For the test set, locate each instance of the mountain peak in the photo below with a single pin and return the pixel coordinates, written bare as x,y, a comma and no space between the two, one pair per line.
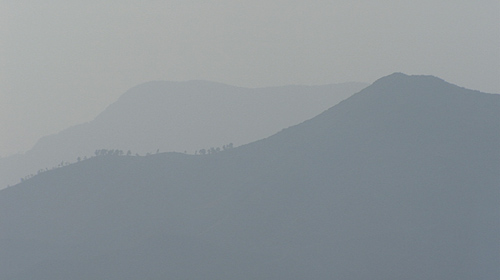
421,88
400,79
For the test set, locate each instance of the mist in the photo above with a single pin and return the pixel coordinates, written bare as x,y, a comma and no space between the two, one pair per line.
64,62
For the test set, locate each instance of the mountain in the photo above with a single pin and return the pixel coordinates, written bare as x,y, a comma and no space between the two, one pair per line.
399,181
179,116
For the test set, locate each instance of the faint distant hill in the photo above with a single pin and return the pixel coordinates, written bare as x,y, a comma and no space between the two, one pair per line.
399,181
179,116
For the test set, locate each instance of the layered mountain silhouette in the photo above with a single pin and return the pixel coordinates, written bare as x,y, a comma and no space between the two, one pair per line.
399,181
179,116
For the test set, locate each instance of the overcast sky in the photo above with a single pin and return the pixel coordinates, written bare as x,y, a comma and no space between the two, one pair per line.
62,62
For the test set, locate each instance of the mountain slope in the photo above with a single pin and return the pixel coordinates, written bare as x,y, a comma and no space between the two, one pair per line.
179,116
401,180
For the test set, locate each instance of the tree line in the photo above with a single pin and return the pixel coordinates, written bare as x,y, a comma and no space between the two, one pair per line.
213,150
117,152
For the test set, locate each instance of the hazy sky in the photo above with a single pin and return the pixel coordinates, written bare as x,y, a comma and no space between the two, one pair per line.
62,62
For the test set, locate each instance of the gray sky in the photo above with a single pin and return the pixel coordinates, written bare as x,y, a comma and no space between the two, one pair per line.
62,62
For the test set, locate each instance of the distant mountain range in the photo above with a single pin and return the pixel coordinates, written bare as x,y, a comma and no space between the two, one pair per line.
399,181
179,116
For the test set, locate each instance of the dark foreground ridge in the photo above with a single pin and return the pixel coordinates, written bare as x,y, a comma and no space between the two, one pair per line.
400,181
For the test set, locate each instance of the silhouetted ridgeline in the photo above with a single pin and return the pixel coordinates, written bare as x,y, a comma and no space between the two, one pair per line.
399,181
116,152
179,116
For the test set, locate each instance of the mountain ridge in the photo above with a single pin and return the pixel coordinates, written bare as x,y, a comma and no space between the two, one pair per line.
385,185
178,116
